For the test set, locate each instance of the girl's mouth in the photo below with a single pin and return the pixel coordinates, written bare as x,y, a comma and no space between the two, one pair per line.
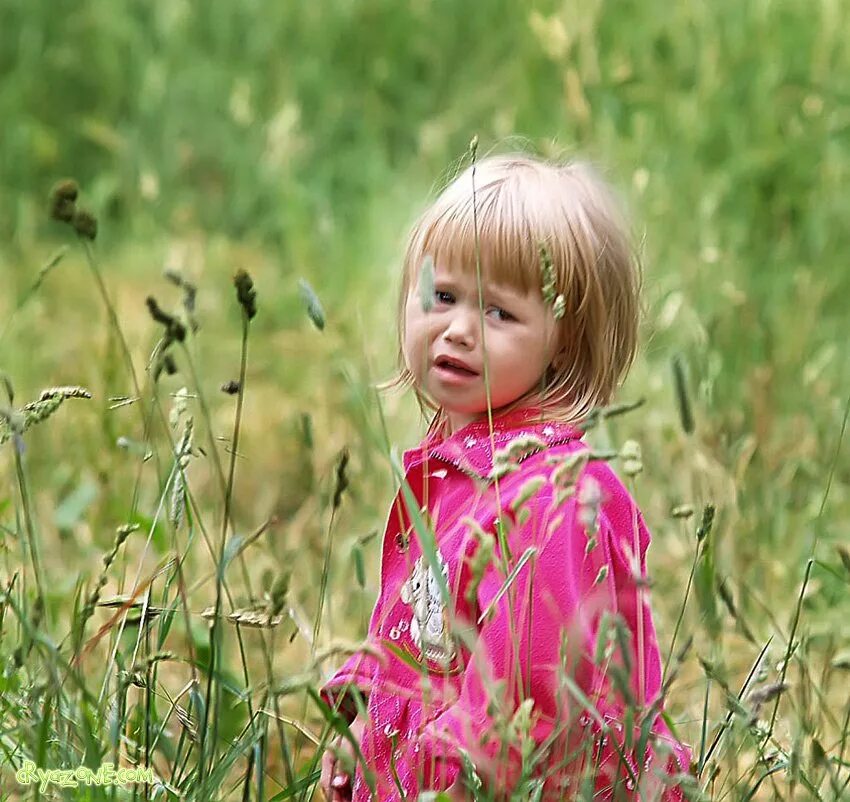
453,373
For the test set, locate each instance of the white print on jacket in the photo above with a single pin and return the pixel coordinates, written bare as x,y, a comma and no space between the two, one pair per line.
429,623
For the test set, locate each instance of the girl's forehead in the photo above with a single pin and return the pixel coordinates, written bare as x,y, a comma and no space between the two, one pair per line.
466,275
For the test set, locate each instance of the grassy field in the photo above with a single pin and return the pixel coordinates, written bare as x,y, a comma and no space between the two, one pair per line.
298,141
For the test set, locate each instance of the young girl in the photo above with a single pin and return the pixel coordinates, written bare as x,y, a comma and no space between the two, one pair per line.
515,645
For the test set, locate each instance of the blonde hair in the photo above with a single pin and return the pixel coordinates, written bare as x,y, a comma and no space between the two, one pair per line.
519,204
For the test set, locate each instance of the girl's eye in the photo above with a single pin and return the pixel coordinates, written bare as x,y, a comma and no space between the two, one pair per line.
502,314
443,297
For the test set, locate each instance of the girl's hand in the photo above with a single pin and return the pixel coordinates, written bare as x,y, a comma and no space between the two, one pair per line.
334,782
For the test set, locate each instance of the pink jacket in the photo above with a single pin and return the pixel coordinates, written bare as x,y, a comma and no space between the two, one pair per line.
589,548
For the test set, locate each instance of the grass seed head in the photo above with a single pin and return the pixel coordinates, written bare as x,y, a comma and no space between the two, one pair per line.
245,293
707,522
62,210
66,188
680,384
65,392
177,502
426,284
341,478
559,307
589,502
63,197
85,224
568,468
164,364
768,693
174,329
529,489
547,272
261,619
7,384
314,306
187,723
844,555
278,593
631,456
190,292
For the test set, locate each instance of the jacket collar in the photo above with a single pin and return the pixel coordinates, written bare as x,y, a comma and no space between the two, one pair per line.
471,450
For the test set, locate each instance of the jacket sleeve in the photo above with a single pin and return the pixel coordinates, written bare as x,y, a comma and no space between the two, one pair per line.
357,672
545,627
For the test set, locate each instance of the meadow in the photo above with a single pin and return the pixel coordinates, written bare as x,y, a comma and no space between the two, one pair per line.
191,498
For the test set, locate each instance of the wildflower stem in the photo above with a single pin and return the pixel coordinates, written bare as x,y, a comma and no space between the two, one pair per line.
29,527
33,289
215,634
681,613
113,317
281,734
323,583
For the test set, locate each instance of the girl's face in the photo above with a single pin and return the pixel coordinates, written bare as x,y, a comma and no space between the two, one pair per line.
444,348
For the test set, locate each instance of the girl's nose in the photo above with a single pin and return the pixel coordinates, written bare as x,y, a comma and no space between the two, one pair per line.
462,327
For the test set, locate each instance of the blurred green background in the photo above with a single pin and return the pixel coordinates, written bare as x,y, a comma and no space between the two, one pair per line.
301,139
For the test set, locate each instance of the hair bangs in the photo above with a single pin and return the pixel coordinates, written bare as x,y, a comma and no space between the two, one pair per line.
490,230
